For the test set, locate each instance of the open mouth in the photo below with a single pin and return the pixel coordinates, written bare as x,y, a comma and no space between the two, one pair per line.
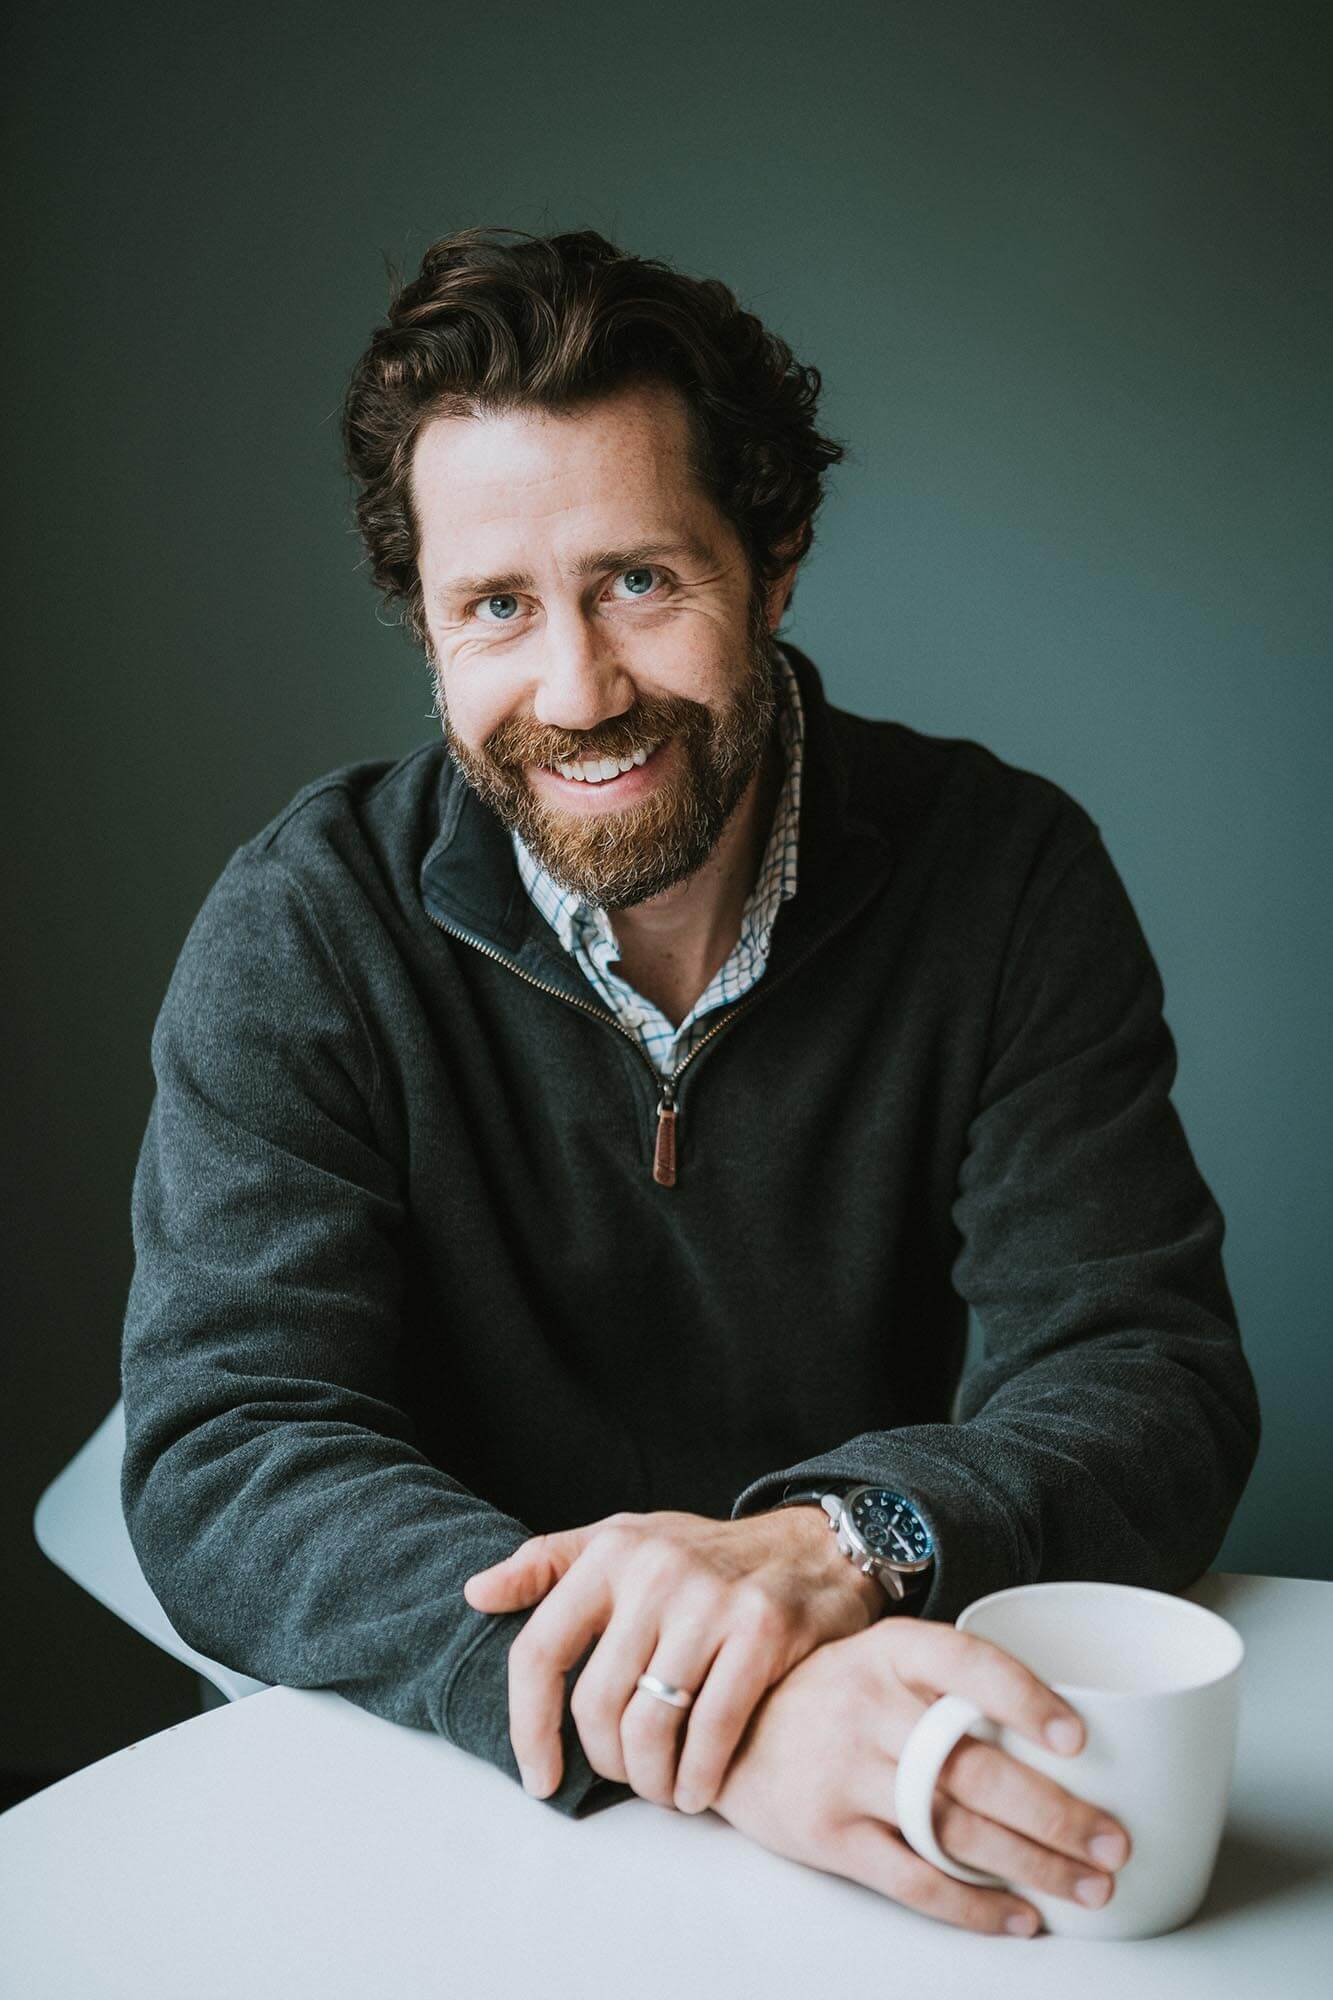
604,770
605,777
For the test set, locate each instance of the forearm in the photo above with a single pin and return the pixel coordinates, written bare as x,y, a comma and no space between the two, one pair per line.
272,1484
1020,1497
1113,1422
1118,1455
320,1553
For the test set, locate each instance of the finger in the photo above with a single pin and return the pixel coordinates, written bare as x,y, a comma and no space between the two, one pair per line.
652,1730
954,1662
555,1636
526,1575
738,1679
608,1683
873,1854
987,1780
995,1849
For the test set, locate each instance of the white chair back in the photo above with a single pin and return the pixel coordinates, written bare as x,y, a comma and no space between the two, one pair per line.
80,1525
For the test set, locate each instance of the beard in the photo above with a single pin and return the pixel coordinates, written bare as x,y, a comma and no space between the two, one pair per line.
626,855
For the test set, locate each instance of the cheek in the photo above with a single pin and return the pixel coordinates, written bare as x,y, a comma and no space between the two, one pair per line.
685,652
474,709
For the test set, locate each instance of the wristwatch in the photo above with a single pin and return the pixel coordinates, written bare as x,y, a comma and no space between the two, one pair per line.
881,1532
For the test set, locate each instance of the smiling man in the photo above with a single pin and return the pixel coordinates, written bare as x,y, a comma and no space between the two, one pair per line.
615,706
577,1143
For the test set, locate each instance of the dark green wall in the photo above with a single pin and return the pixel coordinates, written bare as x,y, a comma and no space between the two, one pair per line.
1064,271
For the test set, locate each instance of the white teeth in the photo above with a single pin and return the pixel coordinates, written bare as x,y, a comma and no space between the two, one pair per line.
596,770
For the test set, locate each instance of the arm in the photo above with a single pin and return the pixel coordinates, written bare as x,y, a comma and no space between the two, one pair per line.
272,1484
1110,1427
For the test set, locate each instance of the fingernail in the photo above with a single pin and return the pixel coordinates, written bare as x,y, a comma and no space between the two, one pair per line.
1092,1890
689,1802
1064,1734
534,1783
1023,1923
1109,1848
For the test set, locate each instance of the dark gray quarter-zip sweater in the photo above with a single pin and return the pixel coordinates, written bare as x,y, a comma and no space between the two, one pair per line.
407,1289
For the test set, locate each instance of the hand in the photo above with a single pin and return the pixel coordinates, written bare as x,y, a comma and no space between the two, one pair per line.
721,1608
814,1778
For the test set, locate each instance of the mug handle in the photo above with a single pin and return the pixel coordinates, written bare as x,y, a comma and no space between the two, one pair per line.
922,1759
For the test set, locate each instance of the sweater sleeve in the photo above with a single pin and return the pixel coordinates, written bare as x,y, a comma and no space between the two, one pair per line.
272,1483
1110,1426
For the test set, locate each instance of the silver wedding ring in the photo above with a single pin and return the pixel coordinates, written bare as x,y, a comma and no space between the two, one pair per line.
664,1691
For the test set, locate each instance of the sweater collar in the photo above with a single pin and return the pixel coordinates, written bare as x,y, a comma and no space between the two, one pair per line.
470,881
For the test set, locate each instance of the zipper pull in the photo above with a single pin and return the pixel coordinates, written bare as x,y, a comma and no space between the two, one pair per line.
664,1153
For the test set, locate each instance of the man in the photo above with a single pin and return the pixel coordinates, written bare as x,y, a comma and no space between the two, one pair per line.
576,1144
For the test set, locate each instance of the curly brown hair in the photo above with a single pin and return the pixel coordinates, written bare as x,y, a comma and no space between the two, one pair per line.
551,322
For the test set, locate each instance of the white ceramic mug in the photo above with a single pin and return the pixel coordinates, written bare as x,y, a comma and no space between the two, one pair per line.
1156,1681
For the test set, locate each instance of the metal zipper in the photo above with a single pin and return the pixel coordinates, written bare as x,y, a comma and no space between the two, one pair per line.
665,1145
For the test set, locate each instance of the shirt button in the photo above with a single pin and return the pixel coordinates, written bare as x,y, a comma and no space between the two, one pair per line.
634,1017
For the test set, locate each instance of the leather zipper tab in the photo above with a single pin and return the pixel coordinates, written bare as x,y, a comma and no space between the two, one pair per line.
664,1153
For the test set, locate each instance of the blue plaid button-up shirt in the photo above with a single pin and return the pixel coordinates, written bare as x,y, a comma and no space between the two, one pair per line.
585,931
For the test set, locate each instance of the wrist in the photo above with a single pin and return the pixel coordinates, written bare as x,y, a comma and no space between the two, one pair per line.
810,1530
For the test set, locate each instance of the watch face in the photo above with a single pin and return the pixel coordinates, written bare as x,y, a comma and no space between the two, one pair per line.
890,1526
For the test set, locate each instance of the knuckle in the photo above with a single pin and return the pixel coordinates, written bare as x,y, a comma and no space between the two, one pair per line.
926,1890
1082,1823
604,1763
1056,1823
920,1886
984,1653
719,1726
586,1704
950,1902
527,1655
962,1649
978,1775
983,1910
646,1722
1049,1872
615,1538
955,1829
659,1562
697,1778
702,1600
761,1627
756,1615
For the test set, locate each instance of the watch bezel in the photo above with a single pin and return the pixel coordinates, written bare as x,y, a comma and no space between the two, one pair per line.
863,1549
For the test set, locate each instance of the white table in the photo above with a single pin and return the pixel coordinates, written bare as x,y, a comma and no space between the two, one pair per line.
290,1845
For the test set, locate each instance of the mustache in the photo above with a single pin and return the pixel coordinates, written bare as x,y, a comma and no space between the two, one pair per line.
517,743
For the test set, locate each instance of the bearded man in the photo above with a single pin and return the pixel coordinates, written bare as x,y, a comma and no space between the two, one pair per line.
576,1146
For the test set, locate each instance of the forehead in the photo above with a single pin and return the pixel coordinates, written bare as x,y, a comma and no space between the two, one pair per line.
622,460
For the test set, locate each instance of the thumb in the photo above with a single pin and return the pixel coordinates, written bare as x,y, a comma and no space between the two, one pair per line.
525,1576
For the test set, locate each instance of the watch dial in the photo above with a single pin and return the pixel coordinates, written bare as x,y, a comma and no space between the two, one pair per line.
890,1526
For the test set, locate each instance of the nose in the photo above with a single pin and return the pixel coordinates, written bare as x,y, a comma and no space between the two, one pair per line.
581,682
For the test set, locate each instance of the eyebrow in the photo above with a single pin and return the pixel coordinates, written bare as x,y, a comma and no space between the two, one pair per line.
595,564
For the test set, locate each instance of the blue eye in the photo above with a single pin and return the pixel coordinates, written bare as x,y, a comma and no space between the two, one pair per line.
503,607
502,597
